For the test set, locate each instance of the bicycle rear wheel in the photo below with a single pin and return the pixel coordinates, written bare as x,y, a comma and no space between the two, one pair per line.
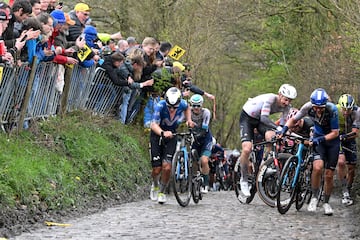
181,173
196,188
267,180
287,188
303,194
252,185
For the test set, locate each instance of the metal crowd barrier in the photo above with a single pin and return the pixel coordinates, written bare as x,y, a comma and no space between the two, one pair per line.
103,95
90,89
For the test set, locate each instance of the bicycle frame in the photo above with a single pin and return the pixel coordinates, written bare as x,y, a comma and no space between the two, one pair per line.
181,146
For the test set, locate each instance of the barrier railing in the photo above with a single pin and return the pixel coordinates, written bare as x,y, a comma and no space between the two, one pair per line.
90,89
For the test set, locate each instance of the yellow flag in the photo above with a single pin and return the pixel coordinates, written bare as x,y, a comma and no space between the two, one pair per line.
176,52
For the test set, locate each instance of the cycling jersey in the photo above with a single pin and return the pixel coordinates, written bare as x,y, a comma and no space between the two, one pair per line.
203,143
324,124
161,115
262,106
350,121
327,151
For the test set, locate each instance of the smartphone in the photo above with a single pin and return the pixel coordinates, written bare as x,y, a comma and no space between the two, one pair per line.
24,38
82,36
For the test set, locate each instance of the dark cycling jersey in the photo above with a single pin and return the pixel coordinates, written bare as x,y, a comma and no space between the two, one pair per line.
327,151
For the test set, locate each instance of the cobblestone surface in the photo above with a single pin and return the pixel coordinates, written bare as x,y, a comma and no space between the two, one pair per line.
218,216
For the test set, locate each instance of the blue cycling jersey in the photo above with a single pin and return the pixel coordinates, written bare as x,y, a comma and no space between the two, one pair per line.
161,115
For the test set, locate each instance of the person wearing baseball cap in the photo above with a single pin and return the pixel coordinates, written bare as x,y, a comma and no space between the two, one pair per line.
80,15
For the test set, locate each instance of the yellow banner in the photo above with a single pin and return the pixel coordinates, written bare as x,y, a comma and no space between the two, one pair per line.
84,53
176,52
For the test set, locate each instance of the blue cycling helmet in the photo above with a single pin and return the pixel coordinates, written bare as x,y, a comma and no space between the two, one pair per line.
319,97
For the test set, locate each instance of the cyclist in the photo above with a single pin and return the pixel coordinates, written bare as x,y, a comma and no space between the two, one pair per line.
203,137
349,121
217,154
166,119
326,141
303,126
255,114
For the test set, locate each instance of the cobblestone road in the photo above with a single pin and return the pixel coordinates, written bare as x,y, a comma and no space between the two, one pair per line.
218,216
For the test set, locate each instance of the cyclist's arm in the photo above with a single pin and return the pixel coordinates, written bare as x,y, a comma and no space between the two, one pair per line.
187,114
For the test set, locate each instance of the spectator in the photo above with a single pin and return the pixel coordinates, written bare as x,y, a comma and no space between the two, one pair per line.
122,46
132,42
65,49
36,7
12,35
80,15
5,16
164,50
44,5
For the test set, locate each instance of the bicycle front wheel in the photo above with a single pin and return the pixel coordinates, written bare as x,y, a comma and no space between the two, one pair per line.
181,173
267,180
287,187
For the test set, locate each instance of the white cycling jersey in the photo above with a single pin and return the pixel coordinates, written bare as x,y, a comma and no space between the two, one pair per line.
262,106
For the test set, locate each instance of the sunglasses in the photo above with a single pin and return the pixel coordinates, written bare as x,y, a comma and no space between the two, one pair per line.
86,14
172,107
196,106
318,107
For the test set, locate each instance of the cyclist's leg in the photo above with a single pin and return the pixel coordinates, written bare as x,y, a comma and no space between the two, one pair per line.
205,155
341,170
156,162
351,159
168,150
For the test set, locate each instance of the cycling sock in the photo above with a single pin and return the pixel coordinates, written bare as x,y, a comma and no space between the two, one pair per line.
244,171
206,180
315,192
326,198
162,187
156,180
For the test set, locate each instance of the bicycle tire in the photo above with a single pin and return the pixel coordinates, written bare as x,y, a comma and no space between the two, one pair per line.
286,193
252,183
267,181
196,191
181,184
303,194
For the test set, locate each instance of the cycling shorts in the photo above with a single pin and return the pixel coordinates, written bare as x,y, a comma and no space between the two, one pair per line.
350,151
203,145
161,150
247,126
328,151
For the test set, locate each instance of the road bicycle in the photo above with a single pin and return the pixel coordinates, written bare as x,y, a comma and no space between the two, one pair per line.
255,160
295,178
181,169
270,170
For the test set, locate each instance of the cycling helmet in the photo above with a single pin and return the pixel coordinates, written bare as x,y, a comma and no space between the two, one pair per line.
196,99
346,101
173,97
288,91
235,153
292,113
319,97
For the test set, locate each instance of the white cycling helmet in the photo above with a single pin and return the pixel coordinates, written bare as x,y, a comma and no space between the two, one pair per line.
236,153
173,97
288,91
